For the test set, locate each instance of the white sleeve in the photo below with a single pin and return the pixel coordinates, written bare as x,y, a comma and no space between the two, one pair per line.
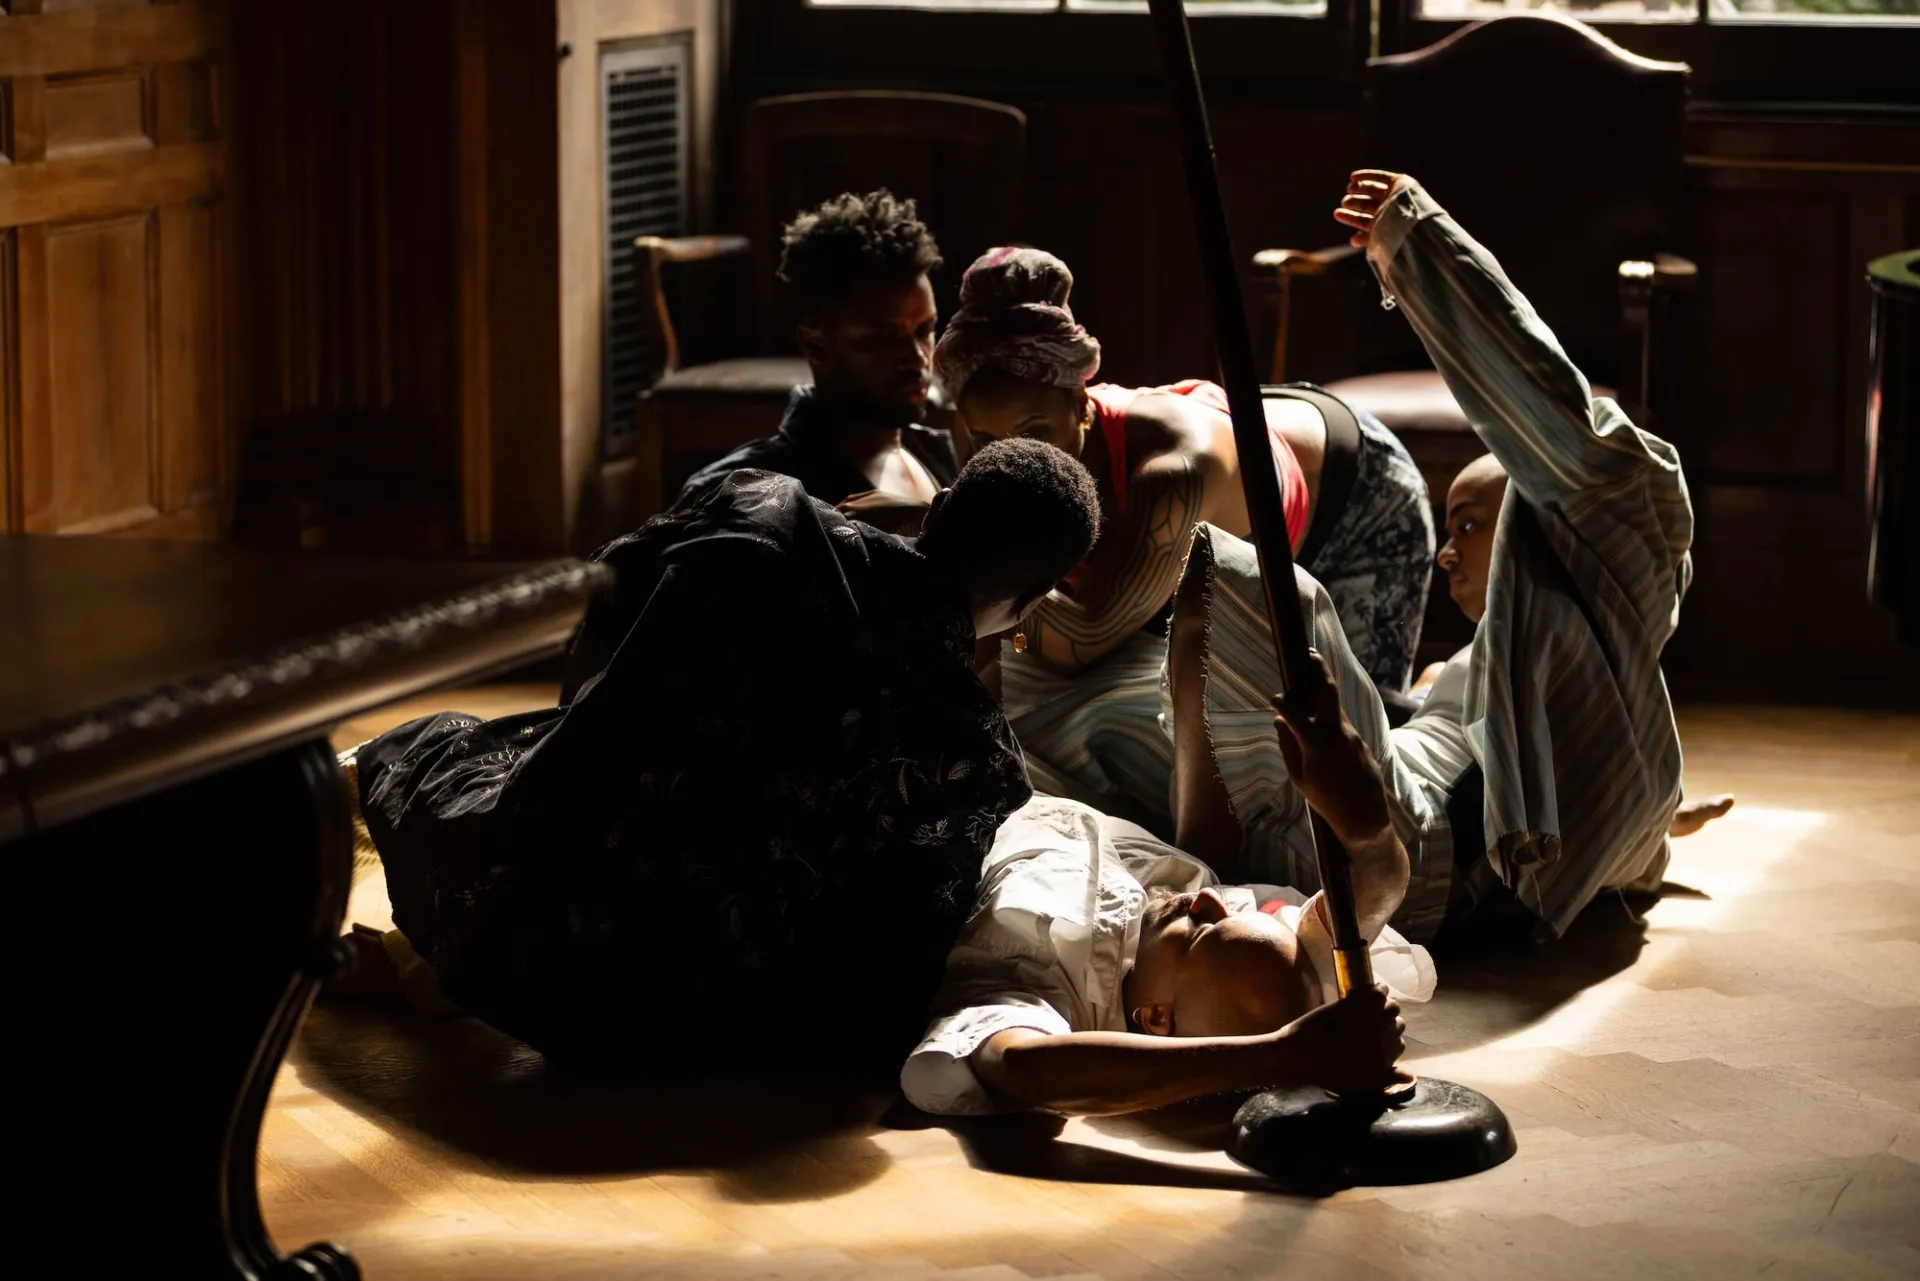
1406,968
937,1076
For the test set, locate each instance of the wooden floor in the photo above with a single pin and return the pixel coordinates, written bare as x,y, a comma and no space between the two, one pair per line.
1728,1087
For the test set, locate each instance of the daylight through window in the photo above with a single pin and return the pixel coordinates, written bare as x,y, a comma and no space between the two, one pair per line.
1841,11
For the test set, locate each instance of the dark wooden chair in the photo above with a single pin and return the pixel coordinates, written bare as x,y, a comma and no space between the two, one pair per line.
1564,155
962,159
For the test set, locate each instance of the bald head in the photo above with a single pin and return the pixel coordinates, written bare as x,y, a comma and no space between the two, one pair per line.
1484,475
1473,510
1203,970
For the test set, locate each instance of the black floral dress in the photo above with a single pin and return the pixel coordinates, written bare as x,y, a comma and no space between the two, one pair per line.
759,813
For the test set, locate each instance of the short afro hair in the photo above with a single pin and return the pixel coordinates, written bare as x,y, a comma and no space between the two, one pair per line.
829,253
1021,515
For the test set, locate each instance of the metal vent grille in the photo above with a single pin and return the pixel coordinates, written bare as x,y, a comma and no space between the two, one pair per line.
643,111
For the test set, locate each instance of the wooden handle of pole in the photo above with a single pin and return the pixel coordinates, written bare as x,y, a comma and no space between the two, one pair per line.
1234,341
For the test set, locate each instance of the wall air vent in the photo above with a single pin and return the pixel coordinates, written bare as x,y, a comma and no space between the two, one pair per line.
644,112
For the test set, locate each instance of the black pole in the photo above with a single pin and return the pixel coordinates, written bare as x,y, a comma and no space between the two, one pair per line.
1258,473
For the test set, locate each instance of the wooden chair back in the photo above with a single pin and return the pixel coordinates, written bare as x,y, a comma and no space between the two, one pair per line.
1562,152
962,159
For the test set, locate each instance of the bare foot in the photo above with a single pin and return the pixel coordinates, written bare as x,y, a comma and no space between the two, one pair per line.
1691,816
371,975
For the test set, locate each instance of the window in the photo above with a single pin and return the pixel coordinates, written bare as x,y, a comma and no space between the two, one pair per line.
1311,49
1711,11
1837,53
1292,8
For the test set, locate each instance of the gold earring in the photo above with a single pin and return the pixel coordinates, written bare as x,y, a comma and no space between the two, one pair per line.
1020,642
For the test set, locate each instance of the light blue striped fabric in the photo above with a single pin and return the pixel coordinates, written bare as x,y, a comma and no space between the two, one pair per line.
1565,706
1096,737
1241,680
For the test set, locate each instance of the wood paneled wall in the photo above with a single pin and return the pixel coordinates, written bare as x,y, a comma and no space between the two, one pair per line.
348,245
113,409
1786,214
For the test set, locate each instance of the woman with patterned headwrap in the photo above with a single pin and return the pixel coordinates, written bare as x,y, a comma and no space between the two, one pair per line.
1081,682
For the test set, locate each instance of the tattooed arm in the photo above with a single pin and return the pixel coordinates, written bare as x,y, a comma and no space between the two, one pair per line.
1133,569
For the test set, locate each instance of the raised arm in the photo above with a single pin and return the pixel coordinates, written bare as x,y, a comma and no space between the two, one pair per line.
1347,1047
1133,569
1521,393
1334,769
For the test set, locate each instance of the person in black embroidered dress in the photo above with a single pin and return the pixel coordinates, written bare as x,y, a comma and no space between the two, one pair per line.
773,773
857,266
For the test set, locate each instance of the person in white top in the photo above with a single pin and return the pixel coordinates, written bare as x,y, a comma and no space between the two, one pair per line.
1103,970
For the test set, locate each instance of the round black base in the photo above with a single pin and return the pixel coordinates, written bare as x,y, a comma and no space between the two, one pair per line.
1309,1141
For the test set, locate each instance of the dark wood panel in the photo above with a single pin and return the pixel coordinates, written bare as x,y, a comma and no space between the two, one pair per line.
192,439
345,321
532,508
186,102
1772,297
1789,623
70,6
27,119
1852,143
83,39
88,186
90,115
93,439
9,381
1105,193
114,371
6,122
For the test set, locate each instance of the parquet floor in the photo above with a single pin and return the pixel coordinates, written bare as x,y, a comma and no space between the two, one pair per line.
1728,1087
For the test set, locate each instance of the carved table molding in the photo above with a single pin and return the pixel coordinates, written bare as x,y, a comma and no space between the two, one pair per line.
178,830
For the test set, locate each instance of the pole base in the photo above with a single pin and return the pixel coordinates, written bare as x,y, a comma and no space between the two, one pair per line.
1308,1141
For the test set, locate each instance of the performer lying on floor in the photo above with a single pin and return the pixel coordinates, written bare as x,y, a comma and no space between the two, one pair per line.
774,774
1082,686
1544,765
857,267
1105,971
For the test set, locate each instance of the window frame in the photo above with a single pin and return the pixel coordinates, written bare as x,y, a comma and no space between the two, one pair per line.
1785,62
791,45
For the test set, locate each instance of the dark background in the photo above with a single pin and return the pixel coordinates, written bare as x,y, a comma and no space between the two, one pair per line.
1803,163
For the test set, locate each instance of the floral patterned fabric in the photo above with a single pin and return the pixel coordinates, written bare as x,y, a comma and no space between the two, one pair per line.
773,781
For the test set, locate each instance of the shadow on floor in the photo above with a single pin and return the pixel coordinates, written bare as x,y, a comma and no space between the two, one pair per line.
764,1136
1497,981
462,1084
1030,1145
473,1089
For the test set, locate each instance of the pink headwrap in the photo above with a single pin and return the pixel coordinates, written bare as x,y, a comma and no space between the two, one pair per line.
1014,317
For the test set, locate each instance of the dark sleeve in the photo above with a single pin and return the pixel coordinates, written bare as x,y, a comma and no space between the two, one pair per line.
634,559
952,776
684,653
771,453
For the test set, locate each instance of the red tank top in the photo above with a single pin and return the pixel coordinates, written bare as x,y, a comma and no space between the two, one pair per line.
1111,405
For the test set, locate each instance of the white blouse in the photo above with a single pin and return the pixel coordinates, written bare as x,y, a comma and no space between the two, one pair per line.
1054,931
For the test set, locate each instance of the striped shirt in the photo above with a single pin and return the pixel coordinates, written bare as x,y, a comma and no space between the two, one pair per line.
1562,702
1565,704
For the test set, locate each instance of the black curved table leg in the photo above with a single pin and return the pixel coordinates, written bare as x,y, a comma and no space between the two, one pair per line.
172,945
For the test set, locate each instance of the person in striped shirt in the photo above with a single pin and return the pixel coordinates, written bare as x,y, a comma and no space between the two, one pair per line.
1544,765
